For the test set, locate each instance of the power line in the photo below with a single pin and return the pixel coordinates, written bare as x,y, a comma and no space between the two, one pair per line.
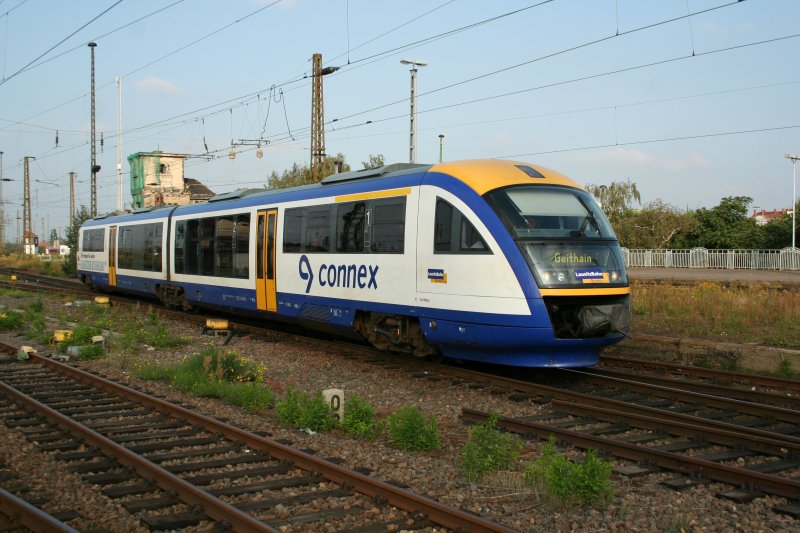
651,141
4,80
83,45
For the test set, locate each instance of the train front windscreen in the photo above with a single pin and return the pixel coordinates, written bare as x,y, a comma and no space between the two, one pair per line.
563,234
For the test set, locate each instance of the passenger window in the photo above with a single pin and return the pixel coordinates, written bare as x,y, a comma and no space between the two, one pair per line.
193,247
180,247
350,227
292,230
318,230
241,254
388,225
454,234
207,229
224,255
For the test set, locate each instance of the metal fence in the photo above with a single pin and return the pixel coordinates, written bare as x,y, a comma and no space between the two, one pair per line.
785,259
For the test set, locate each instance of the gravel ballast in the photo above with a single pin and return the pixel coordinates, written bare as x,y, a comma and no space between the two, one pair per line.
639,504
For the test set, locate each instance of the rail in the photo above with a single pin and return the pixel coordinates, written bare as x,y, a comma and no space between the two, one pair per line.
784,259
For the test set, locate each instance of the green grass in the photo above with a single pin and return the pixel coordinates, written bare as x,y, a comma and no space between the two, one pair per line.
488,449
216,373
10,320
408,429
302,411
359,418
567,483
15,293
718,312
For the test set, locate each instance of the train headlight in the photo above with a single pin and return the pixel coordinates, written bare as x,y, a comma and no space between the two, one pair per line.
546,277
614,276
560,277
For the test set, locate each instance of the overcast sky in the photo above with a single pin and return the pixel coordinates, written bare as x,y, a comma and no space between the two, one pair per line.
693,100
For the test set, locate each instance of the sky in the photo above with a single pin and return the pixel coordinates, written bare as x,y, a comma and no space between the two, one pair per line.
692,100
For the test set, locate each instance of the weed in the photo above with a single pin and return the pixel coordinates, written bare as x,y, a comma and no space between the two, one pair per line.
225,365
9,320
569,483
197,376
302,411
359,418
15,293
409,430
92,351
155,372
488,449
786,370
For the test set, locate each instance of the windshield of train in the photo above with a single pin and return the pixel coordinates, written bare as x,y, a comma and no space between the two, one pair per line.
563,234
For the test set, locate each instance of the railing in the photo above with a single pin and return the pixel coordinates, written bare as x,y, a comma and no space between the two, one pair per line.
785,259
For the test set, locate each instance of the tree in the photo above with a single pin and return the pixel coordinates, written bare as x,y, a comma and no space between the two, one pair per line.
656,225
725,226
70,266
301,174
615,199
375,161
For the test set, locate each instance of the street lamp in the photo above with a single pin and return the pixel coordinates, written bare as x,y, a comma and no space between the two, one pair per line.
794,158
412,151
441,140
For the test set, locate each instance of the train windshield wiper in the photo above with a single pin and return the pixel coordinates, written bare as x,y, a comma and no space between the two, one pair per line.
581,232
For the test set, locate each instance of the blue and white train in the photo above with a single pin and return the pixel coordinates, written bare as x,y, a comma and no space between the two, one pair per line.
494,261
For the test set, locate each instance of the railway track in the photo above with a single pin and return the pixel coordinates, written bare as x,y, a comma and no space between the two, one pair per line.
173,468
706,425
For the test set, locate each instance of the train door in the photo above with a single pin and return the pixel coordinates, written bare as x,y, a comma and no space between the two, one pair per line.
266,289
112,256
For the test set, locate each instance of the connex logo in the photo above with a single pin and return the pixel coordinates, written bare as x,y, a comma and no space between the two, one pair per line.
347,276
306,274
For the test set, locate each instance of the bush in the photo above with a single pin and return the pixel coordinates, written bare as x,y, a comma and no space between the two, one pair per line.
305,412
10,320
408,430
92,351
571,483
359,418
209,374
488,449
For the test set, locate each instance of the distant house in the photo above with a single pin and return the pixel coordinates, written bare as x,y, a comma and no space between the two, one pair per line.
763,216
157,178
31,243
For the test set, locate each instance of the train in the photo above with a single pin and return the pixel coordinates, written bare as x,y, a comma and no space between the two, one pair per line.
492,261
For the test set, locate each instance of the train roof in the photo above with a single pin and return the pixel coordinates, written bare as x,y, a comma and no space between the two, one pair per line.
481,175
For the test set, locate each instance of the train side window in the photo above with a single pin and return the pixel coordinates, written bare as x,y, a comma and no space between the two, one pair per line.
207,230
145,232
93,240
125,247
241,253
293,230
350,227
224,242
454,234
193,246
443,227
318,229
388,225
180,247
158,235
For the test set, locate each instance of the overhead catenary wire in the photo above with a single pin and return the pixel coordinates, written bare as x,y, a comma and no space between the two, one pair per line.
59,43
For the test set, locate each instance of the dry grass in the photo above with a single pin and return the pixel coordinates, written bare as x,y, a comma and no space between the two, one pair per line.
753,313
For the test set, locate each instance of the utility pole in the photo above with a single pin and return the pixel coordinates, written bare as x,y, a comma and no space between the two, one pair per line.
71,197
27,227
95,167
317,116
18,250
119,143
412,150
